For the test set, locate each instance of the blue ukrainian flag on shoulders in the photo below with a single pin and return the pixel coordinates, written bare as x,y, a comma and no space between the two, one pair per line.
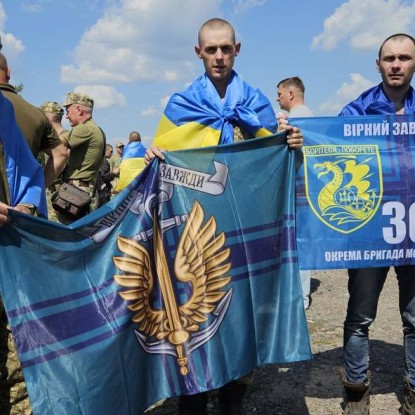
182,283
197,117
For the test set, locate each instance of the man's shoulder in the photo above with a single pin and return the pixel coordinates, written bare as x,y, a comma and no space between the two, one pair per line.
78,132
10,93
359,105
87,128
369,93
237,79
32,121
7,89
203,86
19,102
194,87
90,123
301,111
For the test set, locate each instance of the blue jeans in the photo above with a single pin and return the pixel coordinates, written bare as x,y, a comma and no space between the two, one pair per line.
365,286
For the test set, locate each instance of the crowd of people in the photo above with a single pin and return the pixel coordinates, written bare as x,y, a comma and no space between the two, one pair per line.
228,109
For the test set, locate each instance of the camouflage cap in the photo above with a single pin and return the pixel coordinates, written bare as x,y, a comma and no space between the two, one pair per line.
53,107
78,98
119,144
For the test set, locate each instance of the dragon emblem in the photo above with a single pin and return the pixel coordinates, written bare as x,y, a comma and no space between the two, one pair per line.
201,261
347,188
347,197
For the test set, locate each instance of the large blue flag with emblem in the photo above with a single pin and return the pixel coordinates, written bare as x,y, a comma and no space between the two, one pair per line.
355,192
186,280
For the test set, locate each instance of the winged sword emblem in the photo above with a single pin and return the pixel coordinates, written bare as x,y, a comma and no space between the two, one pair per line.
201,261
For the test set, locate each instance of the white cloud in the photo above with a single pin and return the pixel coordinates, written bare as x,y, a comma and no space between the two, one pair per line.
31,7
347,92
154,110
351,90
104,96
241,6
88,73
3,16
140,40
364,24
10,43
150,111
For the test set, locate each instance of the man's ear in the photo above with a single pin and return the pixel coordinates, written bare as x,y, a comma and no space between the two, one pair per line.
237,48
197,51
377,65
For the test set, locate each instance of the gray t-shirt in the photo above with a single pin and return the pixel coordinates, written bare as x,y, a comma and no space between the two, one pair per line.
301,111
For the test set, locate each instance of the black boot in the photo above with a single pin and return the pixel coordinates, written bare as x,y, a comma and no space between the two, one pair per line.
231,397
408,407
193,404
357,399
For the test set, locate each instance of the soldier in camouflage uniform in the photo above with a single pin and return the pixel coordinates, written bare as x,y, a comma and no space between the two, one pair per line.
114,162
54,112
86,142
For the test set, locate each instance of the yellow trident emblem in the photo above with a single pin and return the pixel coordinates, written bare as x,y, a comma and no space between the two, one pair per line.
200,261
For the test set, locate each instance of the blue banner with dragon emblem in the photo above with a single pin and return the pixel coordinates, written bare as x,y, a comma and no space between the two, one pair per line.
186,280
355,193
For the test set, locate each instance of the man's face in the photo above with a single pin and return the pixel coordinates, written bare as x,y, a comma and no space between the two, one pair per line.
218,51
397,62
120,149
108,152
72,114
283,97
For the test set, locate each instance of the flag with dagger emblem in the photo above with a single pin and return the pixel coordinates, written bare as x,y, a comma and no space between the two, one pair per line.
186,280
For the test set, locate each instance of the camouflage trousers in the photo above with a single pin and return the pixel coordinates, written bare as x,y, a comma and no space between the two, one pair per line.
51,212
13,394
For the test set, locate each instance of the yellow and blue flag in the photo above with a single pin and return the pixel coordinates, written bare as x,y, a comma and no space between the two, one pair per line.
197,117
162,291
22,176
132,164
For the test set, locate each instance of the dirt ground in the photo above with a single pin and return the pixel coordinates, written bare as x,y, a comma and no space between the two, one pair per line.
314,387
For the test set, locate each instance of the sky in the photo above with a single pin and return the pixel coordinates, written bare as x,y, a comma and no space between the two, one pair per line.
131,55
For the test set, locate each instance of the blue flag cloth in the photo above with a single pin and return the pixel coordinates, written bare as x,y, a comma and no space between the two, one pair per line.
132,164
133,150
374,102
197,117
24,174
162,291
355,193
